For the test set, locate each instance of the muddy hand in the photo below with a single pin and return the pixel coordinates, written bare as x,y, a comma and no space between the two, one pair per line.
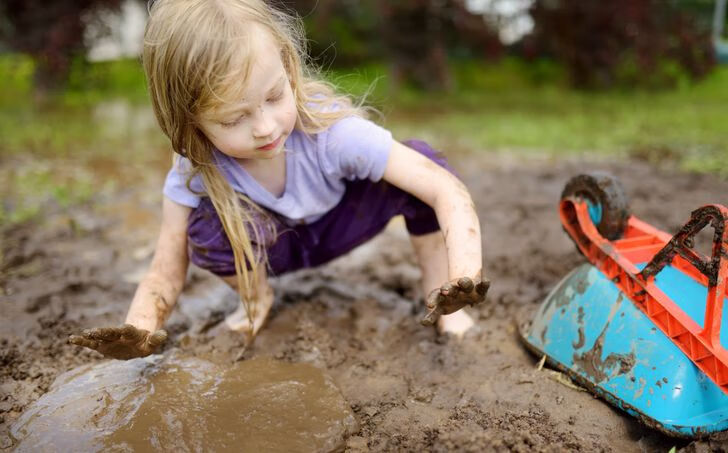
454,295
125,342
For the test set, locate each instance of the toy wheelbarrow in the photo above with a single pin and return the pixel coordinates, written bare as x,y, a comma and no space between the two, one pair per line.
642,325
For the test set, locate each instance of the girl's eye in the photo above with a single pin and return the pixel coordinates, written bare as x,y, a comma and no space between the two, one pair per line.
275,98
234,122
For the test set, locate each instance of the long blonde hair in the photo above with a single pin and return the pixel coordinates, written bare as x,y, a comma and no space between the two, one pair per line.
196,53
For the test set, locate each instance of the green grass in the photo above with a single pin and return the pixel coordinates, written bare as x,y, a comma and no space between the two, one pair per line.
29,188
517,108
64,148
50,147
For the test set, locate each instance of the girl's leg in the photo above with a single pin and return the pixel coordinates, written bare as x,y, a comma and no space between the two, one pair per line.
239,320
210,249
432,258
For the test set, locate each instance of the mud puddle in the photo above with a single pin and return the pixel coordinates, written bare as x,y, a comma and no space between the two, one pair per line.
408,389
187,404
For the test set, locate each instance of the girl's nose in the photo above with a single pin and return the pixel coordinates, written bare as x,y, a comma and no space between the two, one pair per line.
264,123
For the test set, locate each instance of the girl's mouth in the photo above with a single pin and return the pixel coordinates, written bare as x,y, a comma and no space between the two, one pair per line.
270,146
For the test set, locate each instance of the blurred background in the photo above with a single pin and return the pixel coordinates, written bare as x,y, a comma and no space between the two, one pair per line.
618,79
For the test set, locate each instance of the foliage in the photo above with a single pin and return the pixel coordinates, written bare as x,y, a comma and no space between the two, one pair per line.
28,190
416,37
69,147
526,108
16,72
86,83
652,43
52,31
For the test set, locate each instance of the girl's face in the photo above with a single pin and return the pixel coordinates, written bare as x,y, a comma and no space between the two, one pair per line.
258,125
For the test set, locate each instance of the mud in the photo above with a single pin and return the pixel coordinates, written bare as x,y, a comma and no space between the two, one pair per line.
591,361
409,390
187,404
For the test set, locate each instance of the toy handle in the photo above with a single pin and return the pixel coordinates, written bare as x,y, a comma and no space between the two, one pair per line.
714,268
683,242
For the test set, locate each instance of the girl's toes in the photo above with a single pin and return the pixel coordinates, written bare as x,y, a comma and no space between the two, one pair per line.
238,320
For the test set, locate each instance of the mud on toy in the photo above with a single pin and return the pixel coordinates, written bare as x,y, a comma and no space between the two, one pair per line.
642,324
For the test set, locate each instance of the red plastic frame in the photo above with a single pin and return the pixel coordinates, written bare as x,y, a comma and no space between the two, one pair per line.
643,243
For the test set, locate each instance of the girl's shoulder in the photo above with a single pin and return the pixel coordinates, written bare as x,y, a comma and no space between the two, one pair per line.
343,130
181,184
351,130
352,147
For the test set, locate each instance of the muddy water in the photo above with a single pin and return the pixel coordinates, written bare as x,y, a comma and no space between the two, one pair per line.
188,404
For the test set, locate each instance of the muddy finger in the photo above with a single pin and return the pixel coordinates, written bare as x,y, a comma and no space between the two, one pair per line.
433,299
95,334
107,334
466,284
75,339
482,287
157,338
129,332
81,341
449,290
431,317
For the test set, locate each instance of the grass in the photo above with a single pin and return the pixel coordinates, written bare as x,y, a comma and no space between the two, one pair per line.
512,107
69,146
51,148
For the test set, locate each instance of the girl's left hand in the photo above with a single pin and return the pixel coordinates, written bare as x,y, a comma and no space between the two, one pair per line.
454,295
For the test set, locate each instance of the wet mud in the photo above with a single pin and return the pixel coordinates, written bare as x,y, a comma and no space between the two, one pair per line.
173,403
354,319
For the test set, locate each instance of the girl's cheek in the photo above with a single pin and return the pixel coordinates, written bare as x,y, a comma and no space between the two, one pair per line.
236,142
292,117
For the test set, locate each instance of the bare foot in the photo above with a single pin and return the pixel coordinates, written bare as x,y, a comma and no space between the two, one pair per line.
454,295
238,321
125,342
456,323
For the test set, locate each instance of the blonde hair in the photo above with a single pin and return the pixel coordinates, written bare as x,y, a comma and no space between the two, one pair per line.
192,60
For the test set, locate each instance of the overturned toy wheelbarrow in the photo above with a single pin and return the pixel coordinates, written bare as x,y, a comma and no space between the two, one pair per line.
642,325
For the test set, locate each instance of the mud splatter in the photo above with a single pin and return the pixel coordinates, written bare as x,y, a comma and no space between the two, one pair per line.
580,332
641,389
579,343
591,363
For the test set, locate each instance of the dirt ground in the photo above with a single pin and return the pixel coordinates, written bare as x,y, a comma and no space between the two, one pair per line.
409,389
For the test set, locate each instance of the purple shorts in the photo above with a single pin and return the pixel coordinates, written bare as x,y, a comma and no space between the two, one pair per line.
362,213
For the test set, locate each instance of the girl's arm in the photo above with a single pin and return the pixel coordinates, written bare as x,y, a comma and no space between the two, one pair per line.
423,178
455,211
158,291
155,297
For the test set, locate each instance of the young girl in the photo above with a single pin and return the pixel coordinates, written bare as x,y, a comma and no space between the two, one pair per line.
277,172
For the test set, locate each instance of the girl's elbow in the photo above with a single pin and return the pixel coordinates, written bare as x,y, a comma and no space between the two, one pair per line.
455,193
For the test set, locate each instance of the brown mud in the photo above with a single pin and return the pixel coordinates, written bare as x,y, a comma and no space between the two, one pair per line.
171,403
409,390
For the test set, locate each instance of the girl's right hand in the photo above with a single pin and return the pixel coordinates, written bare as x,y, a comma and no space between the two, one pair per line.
454,295
125,342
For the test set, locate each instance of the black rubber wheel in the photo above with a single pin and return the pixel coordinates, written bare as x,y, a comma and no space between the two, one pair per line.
602,189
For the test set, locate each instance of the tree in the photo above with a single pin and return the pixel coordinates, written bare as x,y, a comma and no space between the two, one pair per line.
416,37
607,43
52,31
